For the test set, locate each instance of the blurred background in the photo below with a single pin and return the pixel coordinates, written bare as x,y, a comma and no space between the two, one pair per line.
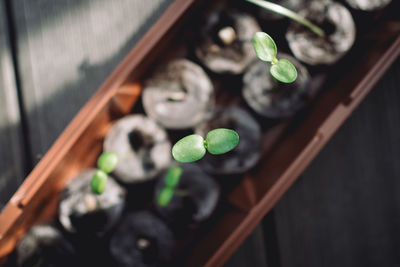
343,211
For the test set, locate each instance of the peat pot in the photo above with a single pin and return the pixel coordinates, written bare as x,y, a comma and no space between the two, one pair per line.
142,147
195,198
271,98
179,96
225,44
340,33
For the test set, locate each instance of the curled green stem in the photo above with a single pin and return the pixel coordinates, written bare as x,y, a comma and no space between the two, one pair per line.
288,13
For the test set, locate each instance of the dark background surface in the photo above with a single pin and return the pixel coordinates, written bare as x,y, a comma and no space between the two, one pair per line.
343,211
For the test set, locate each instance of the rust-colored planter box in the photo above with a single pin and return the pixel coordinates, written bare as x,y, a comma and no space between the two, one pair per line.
289,146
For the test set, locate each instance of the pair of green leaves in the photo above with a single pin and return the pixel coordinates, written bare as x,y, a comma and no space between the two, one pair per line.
171,180
193,147
106,163
282,70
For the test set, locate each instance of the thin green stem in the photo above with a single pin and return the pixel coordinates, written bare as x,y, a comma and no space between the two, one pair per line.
288,13
181,192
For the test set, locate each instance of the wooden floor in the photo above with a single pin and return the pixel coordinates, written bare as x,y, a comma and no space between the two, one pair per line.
343,211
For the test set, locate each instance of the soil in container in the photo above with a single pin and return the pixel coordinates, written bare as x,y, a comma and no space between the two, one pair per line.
82,211
339,28
368,5
142,240
178,96
274,99
45,245
248,151
225,43
142,147
194,199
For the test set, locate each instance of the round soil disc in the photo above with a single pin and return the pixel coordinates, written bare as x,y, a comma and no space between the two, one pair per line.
230,58
142,147
178,96
82,211
44,245
340,31
198,201
246,154
274,99
142,240
368,5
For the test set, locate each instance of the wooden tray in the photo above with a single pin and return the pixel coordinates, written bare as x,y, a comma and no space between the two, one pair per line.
289,145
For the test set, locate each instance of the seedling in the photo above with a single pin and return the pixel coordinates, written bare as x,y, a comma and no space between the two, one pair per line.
282,69
193,147
171,181
106,163
289,14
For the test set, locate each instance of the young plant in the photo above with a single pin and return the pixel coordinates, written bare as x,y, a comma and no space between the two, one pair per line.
193,147
289,14
282,69
171,181
106,163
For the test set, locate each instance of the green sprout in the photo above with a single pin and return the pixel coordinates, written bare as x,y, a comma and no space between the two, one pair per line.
165,196
98,182
106,163
282,69
193,147
289,14
173,176
171,181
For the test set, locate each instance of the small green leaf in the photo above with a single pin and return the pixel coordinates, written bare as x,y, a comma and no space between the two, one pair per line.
221,140
264,46
99,181
107,162
173,176
165,196
189,148
284,71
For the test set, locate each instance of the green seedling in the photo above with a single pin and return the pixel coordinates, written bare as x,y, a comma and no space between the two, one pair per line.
282,69
171,181
106,163
289,14
165,196
193,147
99,181
173,176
